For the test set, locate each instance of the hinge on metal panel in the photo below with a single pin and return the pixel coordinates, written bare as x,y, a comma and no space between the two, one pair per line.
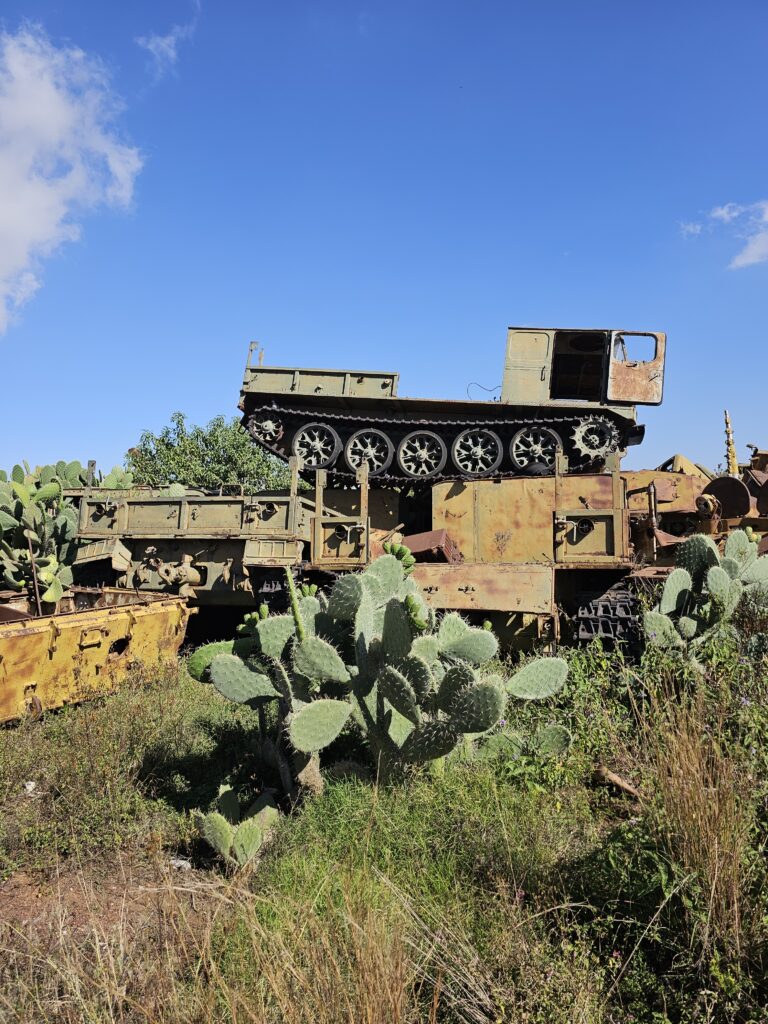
55,634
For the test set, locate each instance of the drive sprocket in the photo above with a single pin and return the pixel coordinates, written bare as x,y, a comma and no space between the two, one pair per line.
595,437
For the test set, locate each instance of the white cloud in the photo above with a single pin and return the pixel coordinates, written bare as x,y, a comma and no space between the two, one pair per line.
164,50
753,225
750,224
689,227
60,154
726,213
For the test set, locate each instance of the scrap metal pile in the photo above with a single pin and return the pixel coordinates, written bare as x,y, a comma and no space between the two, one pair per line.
516,511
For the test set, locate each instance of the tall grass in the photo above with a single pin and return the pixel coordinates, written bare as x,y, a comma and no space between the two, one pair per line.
703,811
510,892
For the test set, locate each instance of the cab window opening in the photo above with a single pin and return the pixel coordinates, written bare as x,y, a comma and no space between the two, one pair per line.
578,365
634,348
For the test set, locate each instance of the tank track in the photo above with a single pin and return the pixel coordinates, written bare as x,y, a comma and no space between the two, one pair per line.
614,615
290,420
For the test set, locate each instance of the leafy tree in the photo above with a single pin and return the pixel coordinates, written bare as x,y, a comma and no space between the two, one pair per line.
206,457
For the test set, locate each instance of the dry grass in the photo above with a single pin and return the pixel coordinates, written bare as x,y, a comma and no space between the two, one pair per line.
202,949
704,817
202,952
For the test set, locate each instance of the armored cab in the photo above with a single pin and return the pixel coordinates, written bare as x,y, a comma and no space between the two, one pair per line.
568,392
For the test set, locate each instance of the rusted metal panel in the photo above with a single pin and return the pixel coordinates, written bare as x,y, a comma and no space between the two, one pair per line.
527,367
65,658
477,587
586,537
433,546
383,505
513,521
281,380
635,382
676,492
506,521
271,551
206,516
343,543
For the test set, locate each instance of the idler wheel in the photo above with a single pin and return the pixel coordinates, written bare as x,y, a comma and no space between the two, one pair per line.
370,447
268,430
477,452
533,447
317,445
422,454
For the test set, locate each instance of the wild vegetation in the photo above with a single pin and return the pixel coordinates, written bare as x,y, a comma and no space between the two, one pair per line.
614,873
219,453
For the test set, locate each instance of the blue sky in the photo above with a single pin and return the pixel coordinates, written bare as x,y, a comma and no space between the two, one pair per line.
382,186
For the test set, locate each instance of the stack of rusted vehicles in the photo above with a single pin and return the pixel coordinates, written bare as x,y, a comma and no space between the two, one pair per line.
517,511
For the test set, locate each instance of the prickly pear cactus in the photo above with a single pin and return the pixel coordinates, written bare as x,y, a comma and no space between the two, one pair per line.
236,837
702,594
37,534
373,653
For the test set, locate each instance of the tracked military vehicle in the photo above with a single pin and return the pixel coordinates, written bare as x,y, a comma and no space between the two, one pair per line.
570,392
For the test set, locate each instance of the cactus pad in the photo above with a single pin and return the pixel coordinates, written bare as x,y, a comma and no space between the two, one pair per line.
383,578
676,593
425,647
228,805
478,708
398,691
416,671
500,744
54,593
398,727
317,724
741,549
346,597
718,583
459,640
217,832
687,627
552,740
247,841
757,572
697,554
396,635
309,610
732,567
264,810
48,492
539,679
456,679
274,633
200,660
316,659
660,630
236,681
429,741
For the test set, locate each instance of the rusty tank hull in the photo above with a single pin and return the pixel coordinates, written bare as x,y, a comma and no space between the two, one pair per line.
564,392
85,649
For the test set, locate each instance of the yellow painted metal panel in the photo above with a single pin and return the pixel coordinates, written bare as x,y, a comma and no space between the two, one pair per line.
61,659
